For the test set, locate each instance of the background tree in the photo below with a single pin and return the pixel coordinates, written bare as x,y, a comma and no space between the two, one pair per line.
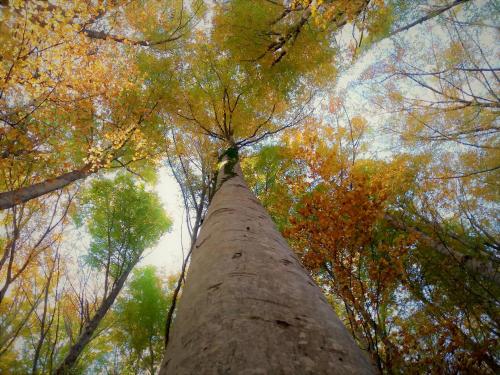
31,240
123,220
71,97
140,321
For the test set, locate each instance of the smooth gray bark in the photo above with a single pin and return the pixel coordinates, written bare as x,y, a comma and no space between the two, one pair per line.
248,305
9,199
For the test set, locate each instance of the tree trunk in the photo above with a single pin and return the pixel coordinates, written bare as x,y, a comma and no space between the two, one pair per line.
428,16
89,329
248,305
12,198
483,267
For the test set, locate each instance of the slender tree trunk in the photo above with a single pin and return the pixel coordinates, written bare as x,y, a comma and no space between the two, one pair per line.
428,16
11,198
249,307
89,329
43,330
151,357
484,267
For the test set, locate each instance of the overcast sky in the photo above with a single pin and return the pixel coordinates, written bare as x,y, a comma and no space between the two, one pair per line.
167,254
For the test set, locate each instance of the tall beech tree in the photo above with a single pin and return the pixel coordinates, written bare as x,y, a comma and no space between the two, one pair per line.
258,293
246,294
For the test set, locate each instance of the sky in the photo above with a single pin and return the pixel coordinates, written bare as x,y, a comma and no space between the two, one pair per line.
167,254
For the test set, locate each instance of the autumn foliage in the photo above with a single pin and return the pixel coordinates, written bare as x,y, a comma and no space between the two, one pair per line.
341,214
367,129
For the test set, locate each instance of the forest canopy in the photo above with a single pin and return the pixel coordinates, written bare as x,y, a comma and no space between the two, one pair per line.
367,129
